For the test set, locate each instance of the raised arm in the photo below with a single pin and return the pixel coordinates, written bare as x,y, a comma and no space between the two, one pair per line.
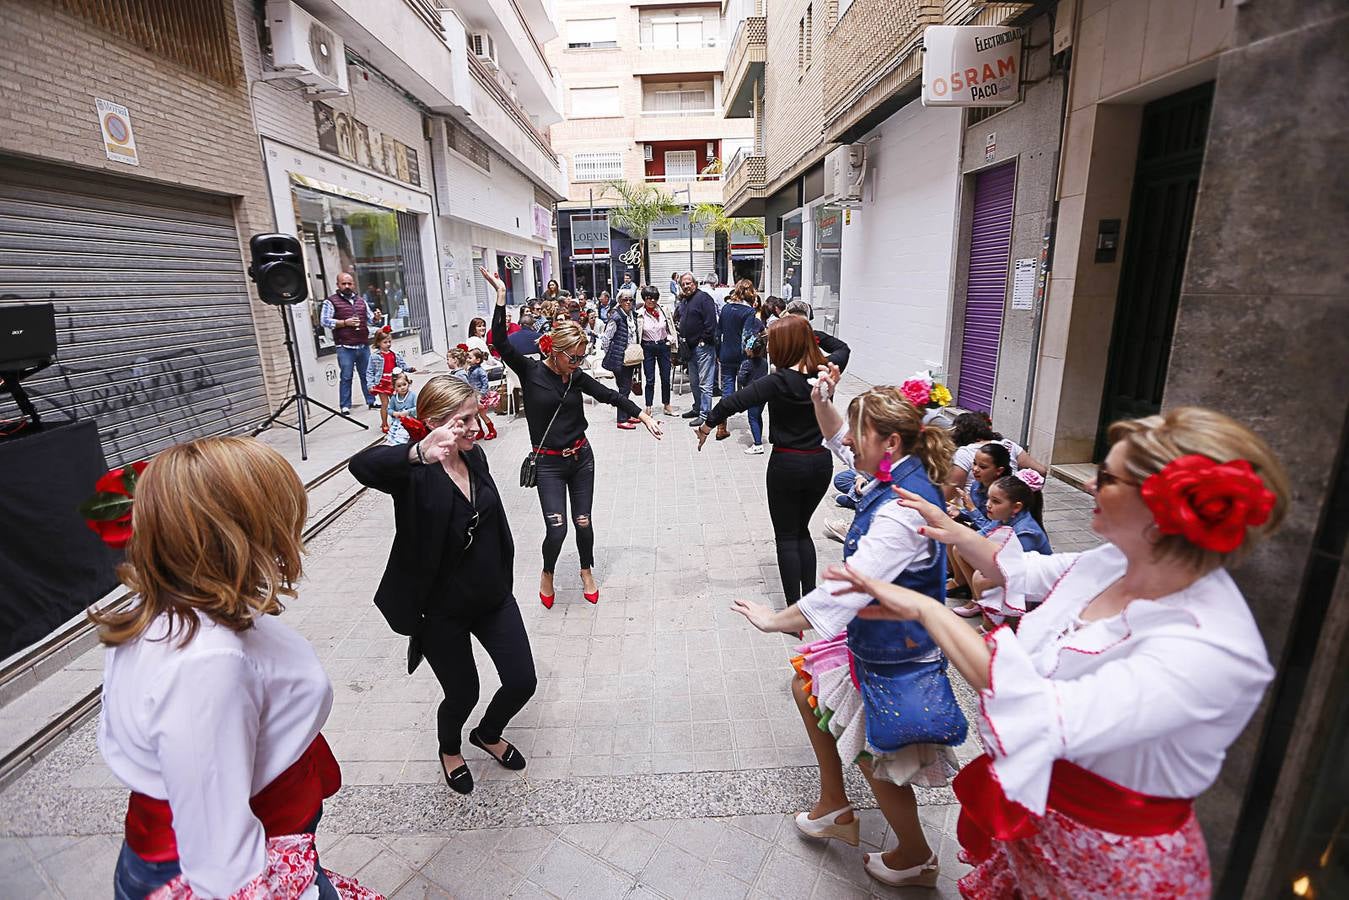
837,351
500,338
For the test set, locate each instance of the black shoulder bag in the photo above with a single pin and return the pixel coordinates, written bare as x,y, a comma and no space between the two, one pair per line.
529,469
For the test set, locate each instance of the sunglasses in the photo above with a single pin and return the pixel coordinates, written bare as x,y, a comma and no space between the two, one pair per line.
575,360
1105,478
468,532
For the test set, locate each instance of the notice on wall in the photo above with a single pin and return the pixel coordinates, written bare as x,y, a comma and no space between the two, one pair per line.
119,141
990,146
1023,283
356,142
971,65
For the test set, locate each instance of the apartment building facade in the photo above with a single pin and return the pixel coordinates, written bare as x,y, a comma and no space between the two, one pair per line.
431,162
643,105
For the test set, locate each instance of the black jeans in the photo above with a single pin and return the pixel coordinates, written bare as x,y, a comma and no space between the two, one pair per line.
796,482
446,645
559,476
657,355
623,384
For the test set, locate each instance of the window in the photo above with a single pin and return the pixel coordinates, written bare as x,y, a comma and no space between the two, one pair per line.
606,165
592,34
685,98
464,143
679,29
801,45
810,32
681,165
594,103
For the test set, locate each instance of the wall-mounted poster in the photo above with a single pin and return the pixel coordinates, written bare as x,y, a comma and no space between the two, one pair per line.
347,137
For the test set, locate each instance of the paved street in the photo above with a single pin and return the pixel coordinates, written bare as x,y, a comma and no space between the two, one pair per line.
665,755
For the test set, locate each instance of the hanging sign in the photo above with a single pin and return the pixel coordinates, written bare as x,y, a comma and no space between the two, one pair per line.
971,65
589,237
119,141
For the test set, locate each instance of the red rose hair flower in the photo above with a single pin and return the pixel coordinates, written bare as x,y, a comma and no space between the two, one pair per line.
386,330
546,344
461,347
415,427
108,512
1210,504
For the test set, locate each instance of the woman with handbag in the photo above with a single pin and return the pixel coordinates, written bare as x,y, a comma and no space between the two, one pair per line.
1112,706
623,353
449,573
561,463
869,692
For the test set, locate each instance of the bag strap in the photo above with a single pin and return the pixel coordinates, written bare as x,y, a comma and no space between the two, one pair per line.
549,427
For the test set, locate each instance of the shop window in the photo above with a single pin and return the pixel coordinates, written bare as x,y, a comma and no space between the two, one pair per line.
345,235
826,265
791,255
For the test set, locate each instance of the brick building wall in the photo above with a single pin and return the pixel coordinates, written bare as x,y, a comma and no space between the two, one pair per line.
793,99
190,131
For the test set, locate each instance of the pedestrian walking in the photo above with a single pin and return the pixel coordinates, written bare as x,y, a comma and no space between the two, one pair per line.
561,463
870,691
1112,708
797,475
449,575
657,335
350,318
735,313
212,706
698,332
384,362
623,353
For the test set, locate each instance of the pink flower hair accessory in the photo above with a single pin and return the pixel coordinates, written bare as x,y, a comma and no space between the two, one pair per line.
1031,478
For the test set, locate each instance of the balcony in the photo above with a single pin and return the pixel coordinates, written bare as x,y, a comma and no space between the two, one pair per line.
681,125
684,58
746,184
701,188
507,127
744,66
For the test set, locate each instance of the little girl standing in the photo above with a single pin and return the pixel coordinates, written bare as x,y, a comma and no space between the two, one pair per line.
384,362
402,403
486,398
457,358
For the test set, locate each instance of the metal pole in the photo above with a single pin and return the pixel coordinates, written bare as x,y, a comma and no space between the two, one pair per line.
593,284
688,205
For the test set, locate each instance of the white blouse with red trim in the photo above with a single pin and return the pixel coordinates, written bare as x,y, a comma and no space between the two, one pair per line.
1150,698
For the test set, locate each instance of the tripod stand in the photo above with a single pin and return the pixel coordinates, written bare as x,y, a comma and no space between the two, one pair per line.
299,398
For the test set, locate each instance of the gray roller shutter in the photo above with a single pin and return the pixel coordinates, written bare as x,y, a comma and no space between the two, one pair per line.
662,264
414,277
154,328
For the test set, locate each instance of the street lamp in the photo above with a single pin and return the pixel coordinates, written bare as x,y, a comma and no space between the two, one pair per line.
688,206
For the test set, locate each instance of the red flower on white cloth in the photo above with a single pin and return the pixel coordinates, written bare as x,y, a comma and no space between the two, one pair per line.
1210,503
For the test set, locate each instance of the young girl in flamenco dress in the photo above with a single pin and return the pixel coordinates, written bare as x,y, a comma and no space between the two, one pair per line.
384,362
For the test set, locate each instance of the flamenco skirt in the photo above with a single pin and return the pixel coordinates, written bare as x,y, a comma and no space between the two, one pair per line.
823,666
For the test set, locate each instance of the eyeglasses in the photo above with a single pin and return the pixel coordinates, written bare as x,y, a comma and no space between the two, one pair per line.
575,360
1105,478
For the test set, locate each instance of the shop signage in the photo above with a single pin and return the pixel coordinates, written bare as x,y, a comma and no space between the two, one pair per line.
119,141
589,237
514,263
347,137
543,222
633,256
971,65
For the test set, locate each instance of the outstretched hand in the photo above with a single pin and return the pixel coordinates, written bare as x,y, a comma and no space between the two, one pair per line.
494,280
651,425
759,615
895,602
940,526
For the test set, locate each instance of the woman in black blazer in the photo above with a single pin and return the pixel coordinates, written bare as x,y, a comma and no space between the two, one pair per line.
449,570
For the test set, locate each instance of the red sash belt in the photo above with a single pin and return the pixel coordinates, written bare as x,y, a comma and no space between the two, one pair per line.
987,815
569,451
286,806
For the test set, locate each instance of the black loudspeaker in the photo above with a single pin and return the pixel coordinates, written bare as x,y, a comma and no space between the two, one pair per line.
278,269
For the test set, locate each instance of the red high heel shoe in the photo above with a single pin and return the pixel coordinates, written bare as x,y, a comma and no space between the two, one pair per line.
491,432
593,598
547,599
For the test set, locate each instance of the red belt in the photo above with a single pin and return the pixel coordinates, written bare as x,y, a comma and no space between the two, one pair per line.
987,815
777,449
570,451
286,806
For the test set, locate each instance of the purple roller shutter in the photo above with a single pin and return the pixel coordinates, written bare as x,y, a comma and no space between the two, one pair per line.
986,286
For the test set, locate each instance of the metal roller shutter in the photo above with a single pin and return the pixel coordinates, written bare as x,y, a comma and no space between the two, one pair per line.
154,327
662,264
986,287
414,277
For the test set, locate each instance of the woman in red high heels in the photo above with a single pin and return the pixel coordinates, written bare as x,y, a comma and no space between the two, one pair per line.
564,462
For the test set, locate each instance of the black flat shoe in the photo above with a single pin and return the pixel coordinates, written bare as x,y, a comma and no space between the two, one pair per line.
511,759
691,414
460,780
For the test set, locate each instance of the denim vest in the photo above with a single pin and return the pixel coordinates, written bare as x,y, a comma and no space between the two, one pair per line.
881,641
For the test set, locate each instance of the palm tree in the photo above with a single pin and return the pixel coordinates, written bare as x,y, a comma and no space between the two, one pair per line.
713,216
641,206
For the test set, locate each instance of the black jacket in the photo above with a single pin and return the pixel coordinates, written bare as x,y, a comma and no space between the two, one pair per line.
426,508
698,319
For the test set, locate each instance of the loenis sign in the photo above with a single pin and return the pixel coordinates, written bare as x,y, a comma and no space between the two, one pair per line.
971,65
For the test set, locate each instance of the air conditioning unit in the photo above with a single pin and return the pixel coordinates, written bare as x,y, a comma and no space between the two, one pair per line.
648,152
484,48
844,171
306,51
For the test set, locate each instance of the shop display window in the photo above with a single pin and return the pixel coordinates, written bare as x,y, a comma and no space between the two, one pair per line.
345,235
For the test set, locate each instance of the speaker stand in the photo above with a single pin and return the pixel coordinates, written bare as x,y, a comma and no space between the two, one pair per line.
299,398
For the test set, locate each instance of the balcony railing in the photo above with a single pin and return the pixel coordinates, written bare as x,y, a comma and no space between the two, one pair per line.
484,77
744,65
707,43
682,179
680,112
746,179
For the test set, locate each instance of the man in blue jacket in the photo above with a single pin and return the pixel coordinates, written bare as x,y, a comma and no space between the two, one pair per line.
730,328
698,331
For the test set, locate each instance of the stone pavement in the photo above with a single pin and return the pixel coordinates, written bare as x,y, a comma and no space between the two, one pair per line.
665,757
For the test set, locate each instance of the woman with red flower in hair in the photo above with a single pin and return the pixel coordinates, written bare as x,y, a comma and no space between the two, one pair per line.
1112,707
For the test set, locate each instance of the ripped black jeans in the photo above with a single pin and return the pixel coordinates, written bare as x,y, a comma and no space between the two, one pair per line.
558,477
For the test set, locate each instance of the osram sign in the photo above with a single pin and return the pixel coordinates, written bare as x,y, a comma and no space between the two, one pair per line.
971,65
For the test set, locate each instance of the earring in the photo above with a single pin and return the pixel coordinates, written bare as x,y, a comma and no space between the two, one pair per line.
883,470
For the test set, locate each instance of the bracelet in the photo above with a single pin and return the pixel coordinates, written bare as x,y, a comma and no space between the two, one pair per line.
418,447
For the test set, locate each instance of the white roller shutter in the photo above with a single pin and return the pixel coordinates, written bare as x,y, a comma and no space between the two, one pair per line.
154,326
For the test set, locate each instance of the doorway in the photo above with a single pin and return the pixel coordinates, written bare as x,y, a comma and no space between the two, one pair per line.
1161,211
